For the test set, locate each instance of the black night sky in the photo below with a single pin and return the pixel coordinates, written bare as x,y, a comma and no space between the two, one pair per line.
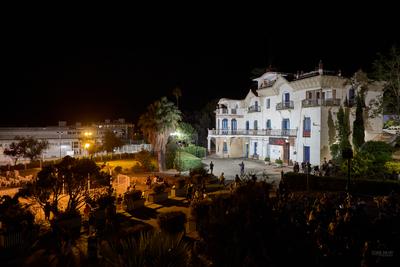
107,67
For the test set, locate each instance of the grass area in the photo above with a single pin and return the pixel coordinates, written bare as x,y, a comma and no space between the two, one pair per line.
126,164
188,161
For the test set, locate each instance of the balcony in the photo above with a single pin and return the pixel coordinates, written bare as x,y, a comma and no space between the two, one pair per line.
306,103
222,111
262,132
266,84
285,105
254,109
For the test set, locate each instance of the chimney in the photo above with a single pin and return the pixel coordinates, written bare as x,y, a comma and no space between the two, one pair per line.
321,67
62,123
298,74
121,120
340,73
78,124
107,121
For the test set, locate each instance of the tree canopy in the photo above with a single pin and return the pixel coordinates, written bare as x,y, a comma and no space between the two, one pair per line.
160,120
111,141
26,148
387,69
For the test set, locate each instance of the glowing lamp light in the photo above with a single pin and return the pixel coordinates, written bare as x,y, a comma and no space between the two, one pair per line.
179,134
87,133
87,145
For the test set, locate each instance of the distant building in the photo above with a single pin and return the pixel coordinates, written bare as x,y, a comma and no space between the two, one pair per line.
67,139
286,117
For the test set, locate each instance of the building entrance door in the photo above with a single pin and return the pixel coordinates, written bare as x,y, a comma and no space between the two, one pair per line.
286,153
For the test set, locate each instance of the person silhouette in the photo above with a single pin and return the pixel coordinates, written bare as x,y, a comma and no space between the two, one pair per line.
211,167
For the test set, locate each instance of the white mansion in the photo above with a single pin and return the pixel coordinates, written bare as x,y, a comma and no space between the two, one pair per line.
287,117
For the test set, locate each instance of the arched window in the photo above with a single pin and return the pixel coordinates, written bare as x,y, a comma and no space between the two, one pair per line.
233,125
225,126
268,124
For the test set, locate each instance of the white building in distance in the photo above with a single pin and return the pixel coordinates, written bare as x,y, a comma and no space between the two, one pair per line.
286,117
72,140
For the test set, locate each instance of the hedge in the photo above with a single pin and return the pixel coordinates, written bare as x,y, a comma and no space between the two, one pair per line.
298,182
197,151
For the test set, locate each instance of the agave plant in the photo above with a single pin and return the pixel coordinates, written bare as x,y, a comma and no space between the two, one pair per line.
149,249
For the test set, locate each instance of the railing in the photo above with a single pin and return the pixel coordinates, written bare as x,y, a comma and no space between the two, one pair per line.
320,102
222,111
254,109
285,105
261,132
267,84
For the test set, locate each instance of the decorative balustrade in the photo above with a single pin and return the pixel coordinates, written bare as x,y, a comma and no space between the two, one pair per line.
254,109
261,132
320,102
285,105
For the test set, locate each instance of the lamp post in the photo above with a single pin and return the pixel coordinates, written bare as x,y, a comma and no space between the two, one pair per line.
347,153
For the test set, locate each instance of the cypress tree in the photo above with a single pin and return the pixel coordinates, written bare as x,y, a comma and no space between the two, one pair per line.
358,124
331,129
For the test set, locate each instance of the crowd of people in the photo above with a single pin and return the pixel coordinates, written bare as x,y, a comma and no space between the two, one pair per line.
328,168
340,227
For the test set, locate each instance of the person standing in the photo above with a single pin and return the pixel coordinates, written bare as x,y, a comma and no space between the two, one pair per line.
47,209
241,168
211,167
222,179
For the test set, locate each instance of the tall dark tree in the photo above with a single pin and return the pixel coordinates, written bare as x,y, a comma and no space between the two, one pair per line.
358,124
160,120
343,128
387,69
331,129
203,120
111,141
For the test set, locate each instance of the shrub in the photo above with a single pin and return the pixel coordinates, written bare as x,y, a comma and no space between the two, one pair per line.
137,168
118,169
197,151
144,158
392,166
279,161
133,195
172,222
159,188
179,183
199,170
267,159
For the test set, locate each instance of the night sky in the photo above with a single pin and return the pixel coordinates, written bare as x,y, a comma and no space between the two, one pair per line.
91,70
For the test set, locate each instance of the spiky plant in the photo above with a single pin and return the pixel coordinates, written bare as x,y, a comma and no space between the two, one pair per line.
149,249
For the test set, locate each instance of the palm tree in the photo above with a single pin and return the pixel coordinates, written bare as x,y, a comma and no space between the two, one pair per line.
177,93
160,120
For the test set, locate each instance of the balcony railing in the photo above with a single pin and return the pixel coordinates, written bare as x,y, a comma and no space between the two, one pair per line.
254,109
222,111
266,84
285,105
261,132
306,103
